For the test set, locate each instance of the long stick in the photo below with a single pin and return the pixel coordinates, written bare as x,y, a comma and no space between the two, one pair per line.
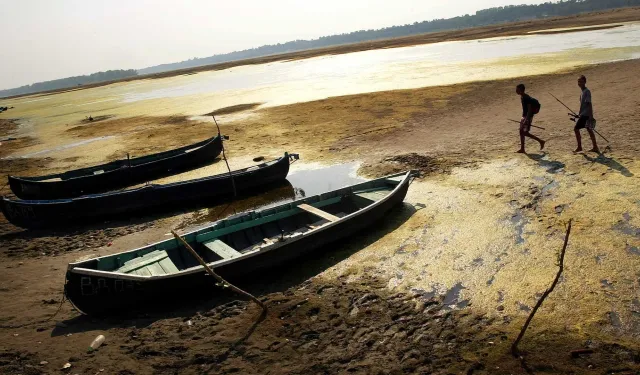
559,101
533,126
598,133
224,282
233,182
514,347
576,116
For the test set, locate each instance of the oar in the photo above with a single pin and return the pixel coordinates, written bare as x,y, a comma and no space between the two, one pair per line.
575,115
533,126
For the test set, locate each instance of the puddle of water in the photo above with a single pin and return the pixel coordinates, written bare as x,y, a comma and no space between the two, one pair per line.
625,227
523,307
519,221
317,181
300,184
477,262
606,284
491,280
453,295
60,148
272,197
633,250
550,186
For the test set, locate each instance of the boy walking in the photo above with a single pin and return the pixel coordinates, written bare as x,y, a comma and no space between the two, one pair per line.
530,107
585,118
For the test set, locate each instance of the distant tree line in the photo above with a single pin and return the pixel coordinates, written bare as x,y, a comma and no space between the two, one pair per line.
70,82
481,18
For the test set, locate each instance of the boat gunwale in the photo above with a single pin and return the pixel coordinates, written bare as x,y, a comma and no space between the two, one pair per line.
178,152
276,245
236,173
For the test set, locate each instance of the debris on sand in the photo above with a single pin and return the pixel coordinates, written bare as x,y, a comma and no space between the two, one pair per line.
425,164
90,118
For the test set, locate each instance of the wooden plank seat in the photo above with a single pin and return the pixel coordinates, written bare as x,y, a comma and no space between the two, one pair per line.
221,249
318,212
154,263
374,195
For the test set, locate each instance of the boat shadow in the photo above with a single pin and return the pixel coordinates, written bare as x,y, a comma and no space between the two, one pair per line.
262,283
609,162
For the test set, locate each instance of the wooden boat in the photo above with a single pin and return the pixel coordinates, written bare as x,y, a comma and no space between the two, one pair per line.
116,174
48,213
237,246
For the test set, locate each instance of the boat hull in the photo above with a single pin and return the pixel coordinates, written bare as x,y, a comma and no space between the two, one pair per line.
38,214
116,174
109,293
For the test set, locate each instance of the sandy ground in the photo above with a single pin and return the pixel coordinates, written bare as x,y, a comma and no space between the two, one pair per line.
442,286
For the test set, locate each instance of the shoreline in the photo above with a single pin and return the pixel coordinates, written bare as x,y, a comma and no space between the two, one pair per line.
498,30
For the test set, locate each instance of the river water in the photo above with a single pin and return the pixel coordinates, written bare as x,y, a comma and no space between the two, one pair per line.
444,63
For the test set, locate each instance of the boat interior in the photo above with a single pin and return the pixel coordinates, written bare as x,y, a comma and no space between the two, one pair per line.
248,232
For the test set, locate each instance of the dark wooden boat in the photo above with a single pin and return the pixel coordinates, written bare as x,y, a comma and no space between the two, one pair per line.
50,213
234,247
116,174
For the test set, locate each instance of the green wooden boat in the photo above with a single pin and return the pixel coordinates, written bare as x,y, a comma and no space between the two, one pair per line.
234,247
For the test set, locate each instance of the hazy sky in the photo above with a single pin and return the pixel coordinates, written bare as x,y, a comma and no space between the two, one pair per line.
49,39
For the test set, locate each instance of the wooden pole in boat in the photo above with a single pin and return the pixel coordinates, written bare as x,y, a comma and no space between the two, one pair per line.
224,282
233,182
128,160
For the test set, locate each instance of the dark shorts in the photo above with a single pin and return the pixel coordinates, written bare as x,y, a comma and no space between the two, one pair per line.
526,127
581,123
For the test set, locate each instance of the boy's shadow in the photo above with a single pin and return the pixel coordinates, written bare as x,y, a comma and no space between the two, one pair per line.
552,166
609,162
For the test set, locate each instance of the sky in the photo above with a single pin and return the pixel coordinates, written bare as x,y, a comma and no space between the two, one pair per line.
49,39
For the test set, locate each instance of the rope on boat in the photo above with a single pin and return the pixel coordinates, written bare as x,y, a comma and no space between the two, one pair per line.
225,284
233,182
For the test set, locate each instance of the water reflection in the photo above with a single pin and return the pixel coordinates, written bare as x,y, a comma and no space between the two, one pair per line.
317,181
299,184
276,195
